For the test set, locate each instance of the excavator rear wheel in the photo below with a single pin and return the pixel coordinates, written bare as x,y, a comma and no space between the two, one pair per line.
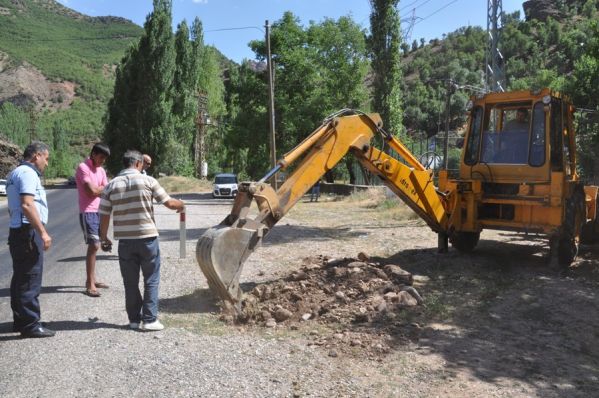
464,242
567,250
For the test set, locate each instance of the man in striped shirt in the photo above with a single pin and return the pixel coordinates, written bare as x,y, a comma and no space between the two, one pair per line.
129,198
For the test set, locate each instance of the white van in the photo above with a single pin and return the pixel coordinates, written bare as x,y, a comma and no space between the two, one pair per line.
225,186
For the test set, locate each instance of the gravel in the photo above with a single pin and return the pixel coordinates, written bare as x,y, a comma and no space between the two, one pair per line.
95,354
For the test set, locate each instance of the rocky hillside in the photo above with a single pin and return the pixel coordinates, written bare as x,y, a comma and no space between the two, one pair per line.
543,9
9,157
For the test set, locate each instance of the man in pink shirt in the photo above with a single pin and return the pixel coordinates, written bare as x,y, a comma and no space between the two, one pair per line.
91,180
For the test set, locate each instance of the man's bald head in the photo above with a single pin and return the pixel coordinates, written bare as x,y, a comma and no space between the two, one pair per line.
147,161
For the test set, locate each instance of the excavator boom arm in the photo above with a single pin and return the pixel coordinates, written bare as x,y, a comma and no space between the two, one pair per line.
222,250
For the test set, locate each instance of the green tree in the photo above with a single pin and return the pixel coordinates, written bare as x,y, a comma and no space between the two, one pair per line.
385,42
584,90
211,83
141,108
14,124
185,82
62,163
318,69
208,83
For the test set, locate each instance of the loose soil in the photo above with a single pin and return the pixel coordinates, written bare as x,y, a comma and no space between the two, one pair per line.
496,322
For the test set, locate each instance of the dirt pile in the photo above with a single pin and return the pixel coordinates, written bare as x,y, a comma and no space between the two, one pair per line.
352,305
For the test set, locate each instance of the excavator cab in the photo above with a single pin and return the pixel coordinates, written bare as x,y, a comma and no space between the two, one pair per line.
511,137
518,171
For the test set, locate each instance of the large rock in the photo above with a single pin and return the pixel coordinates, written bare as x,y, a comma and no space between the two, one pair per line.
398,275
9,157
543,9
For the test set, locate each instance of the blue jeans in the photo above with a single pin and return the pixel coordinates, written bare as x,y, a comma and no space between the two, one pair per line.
144,255
315,193
27,252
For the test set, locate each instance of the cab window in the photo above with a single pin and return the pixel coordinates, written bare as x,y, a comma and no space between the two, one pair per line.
505,134
473,144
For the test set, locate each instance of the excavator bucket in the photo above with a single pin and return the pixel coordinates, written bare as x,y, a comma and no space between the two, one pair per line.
222,250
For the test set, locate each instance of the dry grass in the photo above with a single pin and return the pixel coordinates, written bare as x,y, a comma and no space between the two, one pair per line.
391,208
54,181
177,184
366,206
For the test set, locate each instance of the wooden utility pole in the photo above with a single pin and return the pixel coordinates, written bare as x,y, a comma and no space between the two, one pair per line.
200,141
271,104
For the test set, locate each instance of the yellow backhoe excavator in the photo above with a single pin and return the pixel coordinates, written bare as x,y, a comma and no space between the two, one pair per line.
517,172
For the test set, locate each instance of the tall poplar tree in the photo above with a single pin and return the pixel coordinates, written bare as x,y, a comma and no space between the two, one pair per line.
184,93
209,82
385,44
139,114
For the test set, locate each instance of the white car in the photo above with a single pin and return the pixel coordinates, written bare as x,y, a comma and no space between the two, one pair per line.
225,186
2,187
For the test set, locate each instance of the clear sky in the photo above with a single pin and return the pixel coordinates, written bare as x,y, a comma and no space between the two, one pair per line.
432,17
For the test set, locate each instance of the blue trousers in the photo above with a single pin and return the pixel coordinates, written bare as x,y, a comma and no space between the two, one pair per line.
27,252
143,255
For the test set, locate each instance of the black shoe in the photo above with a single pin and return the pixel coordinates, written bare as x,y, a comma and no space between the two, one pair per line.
38,332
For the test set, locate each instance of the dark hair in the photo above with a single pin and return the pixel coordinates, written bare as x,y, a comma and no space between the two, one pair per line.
101,148
522,110
131,157
33,148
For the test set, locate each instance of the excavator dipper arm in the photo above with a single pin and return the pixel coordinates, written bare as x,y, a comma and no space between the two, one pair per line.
222,250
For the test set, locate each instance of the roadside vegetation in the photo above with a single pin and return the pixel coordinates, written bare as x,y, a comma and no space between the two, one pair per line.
167,83
179,184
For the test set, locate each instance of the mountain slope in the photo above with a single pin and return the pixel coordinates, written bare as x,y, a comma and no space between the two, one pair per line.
57,75
65,45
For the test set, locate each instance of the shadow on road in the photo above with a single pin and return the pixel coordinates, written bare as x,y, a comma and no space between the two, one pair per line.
283,234
107,257
48,290
200,301
6,333
169,235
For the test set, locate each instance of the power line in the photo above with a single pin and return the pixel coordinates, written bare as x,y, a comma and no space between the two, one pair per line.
436,11
240,28
408,5
403,8
418,6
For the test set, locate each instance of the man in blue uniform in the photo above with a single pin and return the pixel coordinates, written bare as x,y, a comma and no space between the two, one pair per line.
28,239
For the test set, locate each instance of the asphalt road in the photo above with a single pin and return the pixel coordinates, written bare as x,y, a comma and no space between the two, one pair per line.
67,253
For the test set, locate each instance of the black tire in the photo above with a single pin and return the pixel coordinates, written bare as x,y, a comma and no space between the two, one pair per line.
464,242
567,250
